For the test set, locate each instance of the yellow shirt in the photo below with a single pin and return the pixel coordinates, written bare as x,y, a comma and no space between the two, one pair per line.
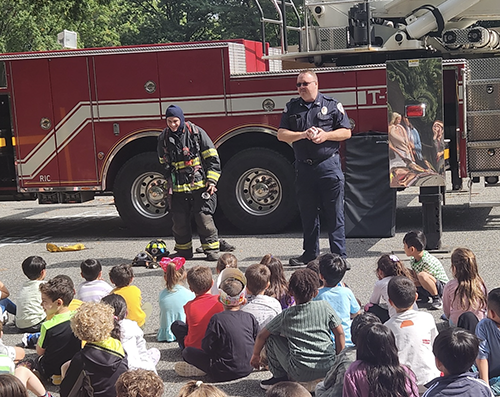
132,296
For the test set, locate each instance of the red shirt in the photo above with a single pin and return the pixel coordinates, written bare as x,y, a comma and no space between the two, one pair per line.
199,311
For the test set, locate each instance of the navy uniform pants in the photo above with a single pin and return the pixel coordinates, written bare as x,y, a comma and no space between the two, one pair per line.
320,188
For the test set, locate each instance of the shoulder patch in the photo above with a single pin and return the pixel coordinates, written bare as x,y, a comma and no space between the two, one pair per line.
340,108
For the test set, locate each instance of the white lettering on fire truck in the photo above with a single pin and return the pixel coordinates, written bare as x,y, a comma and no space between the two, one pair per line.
44,178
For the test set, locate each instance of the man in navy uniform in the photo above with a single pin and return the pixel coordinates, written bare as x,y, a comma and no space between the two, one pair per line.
315,124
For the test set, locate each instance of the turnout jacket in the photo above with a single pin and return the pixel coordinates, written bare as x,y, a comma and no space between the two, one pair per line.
189,157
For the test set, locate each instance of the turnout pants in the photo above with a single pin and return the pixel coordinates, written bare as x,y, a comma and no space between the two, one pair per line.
186,205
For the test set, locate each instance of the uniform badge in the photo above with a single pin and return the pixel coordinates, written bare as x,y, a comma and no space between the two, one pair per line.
324,110
340,108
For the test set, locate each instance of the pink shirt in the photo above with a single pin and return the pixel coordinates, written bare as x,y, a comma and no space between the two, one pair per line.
452,309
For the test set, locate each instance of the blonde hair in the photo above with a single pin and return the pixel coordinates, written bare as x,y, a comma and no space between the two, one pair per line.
93,321
139,383
199,389
395,116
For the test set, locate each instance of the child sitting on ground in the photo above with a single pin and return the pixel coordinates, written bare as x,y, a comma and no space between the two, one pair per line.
466,292
139,383
227,346
388,266
122,277
30,314
488,332
6,305
278,287
57,343
333,383
264,308
377,370
199,311
430,276
131,336
414,330
102,357
226,260
297,341
94,288
173,297
196,388
332,268
456,350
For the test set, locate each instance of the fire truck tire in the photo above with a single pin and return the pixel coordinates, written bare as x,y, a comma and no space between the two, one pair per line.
140,197
256,191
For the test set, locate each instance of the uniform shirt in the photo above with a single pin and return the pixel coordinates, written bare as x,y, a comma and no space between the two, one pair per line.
344,303
415,332
431,265
132,296
326,113
29,305
59,342
489,346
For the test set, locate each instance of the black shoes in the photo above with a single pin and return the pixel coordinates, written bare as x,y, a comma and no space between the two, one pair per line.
299,261
224,246
266,384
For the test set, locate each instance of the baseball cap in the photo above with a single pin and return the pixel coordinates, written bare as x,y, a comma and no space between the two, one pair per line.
236,274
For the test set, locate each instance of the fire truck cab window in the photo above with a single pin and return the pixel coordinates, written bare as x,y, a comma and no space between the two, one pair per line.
3,77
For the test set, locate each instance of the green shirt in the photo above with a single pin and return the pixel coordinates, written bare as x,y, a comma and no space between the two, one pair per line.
431,265
307,329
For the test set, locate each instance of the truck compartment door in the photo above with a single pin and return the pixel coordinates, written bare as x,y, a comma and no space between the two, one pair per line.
33,120
74,132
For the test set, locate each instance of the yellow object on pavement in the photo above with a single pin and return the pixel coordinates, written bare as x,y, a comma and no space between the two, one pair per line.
54,248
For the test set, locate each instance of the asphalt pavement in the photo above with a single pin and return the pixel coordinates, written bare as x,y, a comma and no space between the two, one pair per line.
26,228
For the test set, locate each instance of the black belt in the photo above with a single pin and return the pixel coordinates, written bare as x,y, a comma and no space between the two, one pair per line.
312,162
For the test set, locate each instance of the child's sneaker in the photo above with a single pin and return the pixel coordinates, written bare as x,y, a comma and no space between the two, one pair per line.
5,317
187,370
30,340
437,303
266,384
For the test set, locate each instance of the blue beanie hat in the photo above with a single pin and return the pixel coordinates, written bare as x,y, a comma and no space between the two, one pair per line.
176,111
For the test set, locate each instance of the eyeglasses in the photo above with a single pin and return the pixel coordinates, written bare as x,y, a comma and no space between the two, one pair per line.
304,84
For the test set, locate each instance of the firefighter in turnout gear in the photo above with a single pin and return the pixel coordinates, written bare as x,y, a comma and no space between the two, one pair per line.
192,171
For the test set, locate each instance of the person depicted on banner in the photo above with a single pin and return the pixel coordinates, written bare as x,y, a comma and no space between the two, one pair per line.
439,145
192,171
400,142
315,124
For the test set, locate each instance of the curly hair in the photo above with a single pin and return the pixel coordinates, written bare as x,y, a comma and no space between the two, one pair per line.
199,389
139,383
93,321
303,285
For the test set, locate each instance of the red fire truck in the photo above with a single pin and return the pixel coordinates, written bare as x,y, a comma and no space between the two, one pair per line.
75,123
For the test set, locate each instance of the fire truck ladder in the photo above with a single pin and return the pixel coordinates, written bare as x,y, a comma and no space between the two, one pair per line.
281,9
483,119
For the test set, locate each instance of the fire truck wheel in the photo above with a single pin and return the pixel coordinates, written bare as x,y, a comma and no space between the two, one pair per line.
140,196
257,191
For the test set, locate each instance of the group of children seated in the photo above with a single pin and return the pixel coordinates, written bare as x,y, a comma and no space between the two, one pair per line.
310,332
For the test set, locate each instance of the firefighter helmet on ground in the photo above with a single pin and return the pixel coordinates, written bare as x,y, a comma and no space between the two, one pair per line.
142,259
157,249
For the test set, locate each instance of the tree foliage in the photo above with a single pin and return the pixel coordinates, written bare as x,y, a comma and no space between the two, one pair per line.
33,25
